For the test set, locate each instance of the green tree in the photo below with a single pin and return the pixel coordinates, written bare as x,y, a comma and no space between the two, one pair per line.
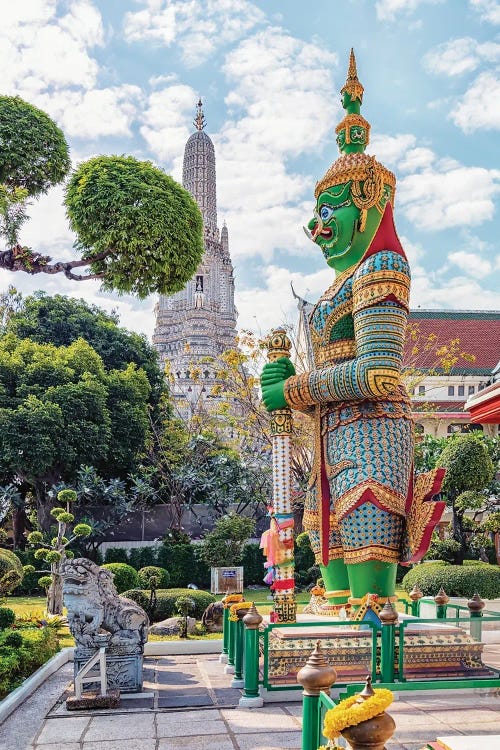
59,409
56,551
224,544
137,229
62,320
469,472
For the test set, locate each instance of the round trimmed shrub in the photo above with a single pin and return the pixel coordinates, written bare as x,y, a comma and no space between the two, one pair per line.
162,577
13,639
11,571
138,596
124,576
10,561
456,580
444,549
7,617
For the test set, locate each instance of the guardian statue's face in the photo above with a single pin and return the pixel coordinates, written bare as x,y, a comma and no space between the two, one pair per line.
335,223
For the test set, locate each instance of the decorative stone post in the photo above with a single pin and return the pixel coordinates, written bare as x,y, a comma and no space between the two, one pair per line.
371,734
229,668
315,676
225,636
389,619
476,606
251,698
441,600
237,681
415,596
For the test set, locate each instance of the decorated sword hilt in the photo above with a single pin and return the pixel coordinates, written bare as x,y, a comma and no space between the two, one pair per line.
278,345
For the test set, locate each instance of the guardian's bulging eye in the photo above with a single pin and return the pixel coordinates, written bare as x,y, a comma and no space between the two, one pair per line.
325,212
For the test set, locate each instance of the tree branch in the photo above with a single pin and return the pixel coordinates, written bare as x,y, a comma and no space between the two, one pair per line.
21,258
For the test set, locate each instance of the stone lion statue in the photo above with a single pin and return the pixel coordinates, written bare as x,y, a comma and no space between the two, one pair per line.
95,609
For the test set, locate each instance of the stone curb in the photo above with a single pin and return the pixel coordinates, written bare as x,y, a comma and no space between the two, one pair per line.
155,648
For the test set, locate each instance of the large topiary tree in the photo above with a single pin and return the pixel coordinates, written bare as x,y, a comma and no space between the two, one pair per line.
469,471
56,551
137,229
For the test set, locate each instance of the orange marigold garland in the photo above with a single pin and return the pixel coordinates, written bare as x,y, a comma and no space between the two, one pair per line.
350,712
233,610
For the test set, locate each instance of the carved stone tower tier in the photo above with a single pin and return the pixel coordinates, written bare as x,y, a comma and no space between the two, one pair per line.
199,322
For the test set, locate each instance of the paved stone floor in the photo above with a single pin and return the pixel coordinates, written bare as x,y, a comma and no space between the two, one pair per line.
213,722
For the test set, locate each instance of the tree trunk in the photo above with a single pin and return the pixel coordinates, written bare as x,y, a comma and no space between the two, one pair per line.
20,524
458,535
44,518
55,593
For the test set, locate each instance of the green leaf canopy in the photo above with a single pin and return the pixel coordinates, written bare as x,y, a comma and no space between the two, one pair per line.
33,151
148,226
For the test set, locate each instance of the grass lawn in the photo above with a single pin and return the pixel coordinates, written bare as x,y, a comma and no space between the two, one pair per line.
35,605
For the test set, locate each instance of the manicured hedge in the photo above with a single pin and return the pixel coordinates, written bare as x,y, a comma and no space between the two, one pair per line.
456,580
165,605
124,576
17,662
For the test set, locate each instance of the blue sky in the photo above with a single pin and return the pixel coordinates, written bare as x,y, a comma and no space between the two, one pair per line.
123,76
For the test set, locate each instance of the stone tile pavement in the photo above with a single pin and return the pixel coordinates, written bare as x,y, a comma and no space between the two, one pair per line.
44,724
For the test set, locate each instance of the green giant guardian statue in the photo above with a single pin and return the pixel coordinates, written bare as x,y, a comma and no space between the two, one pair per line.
365,511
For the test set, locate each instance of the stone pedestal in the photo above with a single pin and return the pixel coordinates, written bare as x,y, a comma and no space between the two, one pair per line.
123,667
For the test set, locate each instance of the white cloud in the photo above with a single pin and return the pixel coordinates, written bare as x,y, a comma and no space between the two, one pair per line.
165,121
390,149
489,10
479,108
39,49
47,230
388,10
268,305
437,193
95,113
461,55
456,293
440,197
472,263
45,58
198,27
278,112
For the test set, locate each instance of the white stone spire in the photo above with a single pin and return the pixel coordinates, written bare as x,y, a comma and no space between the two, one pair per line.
198,170
200,321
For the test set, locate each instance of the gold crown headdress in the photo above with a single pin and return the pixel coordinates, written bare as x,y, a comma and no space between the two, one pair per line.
372,184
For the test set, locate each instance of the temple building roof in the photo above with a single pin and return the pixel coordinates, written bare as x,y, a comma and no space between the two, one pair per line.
478,332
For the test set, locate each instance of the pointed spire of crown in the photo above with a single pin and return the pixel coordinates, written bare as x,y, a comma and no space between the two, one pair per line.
353,133
352,85
371,183
199,122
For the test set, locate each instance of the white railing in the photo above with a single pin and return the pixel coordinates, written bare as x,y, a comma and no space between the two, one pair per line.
80,679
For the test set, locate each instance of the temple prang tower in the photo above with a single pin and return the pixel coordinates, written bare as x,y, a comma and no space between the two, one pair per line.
199,323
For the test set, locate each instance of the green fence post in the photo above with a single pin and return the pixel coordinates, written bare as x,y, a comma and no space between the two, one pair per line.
389,618
251,698
441,600
225,636
476,605
315,676
415,596
237,681
229,668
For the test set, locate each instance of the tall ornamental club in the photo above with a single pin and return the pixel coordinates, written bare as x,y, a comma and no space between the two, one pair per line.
279,540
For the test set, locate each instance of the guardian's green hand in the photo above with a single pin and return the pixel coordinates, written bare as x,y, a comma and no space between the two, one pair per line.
272,381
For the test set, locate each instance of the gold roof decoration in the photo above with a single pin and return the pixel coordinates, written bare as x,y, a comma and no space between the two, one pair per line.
352,85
